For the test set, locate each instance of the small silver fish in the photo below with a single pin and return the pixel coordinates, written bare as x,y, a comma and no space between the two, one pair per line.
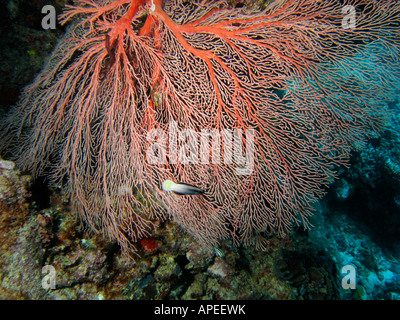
181,188
219,252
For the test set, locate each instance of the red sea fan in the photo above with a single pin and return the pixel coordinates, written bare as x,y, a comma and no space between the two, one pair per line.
255,106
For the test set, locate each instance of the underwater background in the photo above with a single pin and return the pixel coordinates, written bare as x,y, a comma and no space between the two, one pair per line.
357,223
